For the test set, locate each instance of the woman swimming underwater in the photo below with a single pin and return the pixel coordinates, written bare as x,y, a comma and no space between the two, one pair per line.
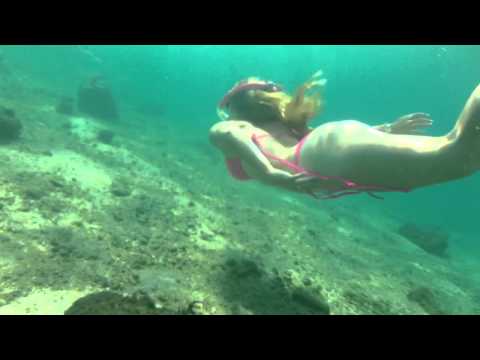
264,135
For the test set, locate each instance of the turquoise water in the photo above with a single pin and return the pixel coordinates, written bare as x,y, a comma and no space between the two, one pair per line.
373,84
180,86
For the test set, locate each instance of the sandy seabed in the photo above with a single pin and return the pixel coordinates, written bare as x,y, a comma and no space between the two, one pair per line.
79,216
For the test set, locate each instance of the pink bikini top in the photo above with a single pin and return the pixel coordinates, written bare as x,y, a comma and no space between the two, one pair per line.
347,187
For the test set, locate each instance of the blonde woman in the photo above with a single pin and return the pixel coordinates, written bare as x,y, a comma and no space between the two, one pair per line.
264,136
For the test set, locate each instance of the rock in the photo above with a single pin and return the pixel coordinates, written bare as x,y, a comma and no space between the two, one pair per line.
96,100
46,153
251,288
120,188
197,308
65,106
290,278
10,126
312,232
424,297
35,193
314,301
433,241
366,303
4,238
307,281
244,268
111,303
105,136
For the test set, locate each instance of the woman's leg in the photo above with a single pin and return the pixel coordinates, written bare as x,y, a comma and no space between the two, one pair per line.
364,155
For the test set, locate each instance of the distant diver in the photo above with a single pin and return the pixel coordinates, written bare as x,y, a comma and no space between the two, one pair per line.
264,135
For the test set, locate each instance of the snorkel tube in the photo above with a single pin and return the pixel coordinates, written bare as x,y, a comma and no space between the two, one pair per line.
245,85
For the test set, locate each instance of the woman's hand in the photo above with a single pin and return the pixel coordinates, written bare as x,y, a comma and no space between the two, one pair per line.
411,124
280,178
317,80
301,182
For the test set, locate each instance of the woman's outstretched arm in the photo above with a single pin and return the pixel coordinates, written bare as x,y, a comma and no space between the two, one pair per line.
410,124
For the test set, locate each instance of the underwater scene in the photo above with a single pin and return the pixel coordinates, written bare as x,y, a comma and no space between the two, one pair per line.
239,180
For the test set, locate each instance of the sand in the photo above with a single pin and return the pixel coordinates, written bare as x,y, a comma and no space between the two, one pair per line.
186,218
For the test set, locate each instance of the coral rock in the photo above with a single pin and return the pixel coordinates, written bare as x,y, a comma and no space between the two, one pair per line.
10,126
432,241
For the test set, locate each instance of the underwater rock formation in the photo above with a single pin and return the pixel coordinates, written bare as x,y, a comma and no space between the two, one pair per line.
243,268
311,300
251,289
105,136
433,241
120,187
424,297
111,303
95,99
65,106
367,303
10,126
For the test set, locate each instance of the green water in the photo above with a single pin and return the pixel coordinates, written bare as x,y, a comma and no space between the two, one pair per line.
372,84
179,87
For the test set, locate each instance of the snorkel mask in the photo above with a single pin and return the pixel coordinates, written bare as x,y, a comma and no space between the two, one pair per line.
245,85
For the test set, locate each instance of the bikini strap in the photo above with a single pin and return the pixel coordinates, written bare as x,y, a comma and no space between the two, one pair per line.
291,165
350,187
298,149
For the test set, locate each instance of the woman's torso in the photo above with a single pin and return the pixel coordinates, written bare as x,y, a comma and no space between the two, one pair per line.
289,152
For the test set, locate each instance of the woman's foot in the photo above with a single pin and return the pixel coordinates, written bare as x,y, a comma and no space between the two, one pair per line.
468,124
467,131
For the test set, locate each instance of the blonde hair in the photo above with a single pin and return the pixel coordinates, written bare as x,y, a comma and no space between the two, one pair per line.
258,106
